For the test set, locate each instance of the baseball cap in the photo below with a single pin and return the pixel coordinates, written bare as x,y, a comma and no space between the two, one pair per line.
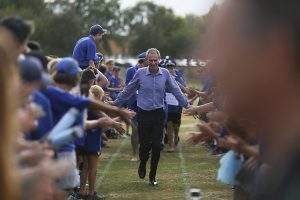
67,66
95,29
98,58
31,71
169,63
142,56
116,69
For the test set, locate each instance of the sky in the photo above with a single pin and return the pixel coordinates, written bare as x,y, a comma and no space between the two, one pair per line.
180,7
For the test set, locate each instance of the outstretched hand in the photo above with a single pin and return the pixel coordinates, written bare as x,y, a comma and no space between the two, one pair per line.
232,142
126,115
205,132
192,111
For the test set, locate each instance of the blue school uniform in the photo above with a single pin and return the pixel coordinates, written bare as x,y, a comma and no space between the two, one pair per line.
179,78
114,82
93,137
61,102
45,123
132,102
84,51
108,75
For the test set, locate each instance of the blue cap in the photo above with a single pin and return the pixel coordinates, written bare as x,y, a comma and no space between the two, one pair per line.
98,58
95,29
162,63
170,63
31,71
142,56
67,66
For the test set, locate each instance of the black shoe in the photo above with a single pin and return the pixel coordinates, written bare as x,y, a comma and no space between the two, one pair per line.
153,182
142,171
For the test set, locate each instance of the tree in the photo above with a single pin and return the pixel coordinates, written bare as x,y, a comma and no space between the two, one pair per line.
149,25
59,34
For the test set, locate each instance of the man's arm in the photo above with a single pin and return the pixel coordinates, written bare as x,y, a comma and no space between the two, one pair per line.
128,91
173,87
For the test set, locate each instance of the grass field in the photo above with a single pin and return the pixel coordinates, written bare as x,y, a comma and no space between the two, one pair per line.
189,167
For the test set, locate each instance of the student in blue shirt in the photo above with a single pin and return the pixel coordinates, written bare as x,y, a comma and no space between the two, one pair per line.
66,77
110,64
116,84
142,62
85,48
132,104
174,110
151,83
45,123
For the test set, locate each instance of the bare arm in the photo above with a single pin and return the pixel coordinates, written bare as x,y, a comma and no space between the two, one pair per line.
91,63
125,115
102,80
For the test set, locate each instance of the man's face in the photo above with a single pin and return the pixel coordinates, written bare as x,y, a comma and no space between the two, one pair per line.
247,71
153,60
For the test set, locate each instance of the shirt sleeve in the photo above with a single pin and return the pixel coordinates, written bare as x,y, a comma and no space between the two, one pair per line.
63,98
173,87
91,51
128,91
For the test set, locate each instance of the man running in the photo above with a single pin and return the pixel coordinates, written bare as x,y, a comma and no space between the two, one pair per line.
151,83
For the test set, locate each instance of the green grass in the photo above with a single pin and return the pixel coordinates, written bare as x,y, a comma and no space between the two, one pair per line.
121,181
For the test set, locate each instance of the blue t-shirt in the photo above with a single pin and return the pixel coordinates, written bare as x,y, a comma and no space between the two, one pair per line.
93,137
108,75
61,102
132,102
45,123
84,51
179,78
130,73
114,82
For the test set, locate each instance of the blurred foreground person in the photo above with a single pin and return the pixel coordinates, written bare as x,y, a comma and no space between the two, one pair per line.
14,32
8,125
256,55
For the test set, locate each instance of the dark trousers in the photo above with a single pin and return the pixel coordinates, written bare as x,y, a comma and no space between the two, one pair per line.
150,128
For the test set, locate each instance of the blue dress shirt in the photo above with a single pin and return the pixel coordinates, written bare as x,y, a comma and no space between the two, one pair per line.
151,89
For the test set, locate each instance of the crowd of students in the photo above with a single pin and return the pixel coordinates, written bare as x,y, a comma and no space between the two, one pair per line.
58,112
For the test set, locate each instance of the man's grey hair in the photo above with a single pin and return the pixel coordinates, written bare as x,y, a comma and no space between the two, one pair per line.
152,51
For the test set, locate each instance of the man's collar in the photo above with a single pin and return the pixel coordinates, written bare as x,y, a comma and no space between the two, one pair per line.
159,72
